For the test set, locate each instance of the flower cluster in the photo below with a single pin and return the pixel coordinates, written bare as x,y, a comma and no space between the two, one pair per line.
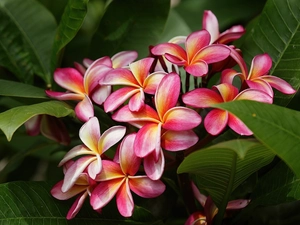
157,103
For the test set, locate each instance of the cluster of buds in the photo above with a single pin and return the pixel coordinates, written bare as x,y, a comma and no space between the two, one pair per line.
157,105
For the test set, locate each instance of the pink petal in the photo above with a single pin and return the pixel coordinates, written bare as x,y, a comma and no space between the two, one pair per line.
236,55
89,134
255,95
147,139
175,60
197,69
129,162
237,204
211,24
70,79
74,152
181,118
231,34
120,77
154,165
178,140
212,54
100,94
84,110
95,167
216,121
152,81
104,192
238,126
136,102
195,42
178,40
167,93
228,75
76,206
105,61
33,125
145,187
123,58
171,49
260,84
57,193
140,69
110,170
75,170
200,197
196,218
118,97
64,95
201,98
124,200
279,84
261,64
227,91
110,137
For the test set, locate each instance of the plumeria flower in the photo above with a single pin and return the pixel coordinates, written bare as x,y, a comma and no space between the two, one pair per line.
217,119
82,187
211,24
136,80
94,145
119,179
169,126
210,209
196,56
258,77
50,127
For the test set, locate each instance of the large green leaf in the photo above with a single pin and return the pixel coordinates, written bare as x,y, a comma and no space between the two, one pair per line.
275,126
130,25
12,119
32,203
224,166
17,89
26,36
277,32
71,21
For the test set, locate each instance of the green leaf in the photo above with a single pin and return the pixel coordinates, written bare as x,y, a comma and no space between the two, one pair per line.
17,89
32,203
130,25
221,171
277,32
12,119
275,126
71,21
26,36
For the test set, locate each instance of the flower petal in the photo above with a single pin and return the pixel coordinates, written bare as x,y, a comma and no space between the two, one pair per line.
104,192
152,81
261,64
212,53
110,170
124,200
216,121
200,197
33,125
140,69
167,93
237,204
260,84
228,75
178,40
57,193
123,58
73,211
255,95
110,137
178,140
89,134
64,95
170,48
70,79
181,118
154,165
201,98
120,76
279,84
175,60
136,102
129,162
195,42
227,91
74,152
95,167
211,24
84,110
145,187
238,126
100,94
197,69
231,34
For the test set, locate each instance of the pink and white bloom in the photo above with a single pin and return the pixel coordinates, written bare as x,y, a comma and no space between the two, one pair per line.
196,56
258,77
82,187
217,119
169,126
136,81
119,179
94,145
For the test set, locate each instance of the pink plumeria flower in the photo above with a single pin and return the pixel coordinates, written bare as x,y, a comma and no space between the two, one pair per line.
210,209
82,187
169,126
50,127
119,179
94,145
258,77
217,119
136,80
211,24
196,56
